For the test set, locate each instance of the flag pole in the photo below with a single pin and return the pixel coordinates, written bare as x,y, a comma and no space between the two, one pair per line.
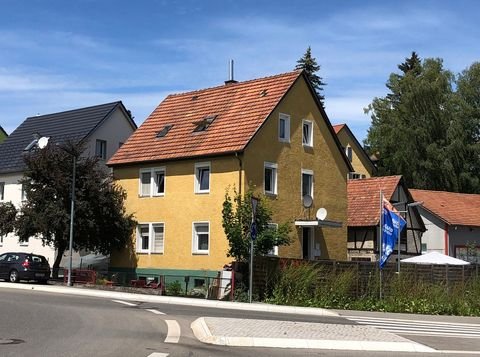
380,242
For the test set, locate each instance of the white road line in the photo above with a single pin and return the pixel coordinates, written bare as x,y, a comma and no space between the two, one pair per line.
158,354
406,320
124,302
420,328
156,312
173,334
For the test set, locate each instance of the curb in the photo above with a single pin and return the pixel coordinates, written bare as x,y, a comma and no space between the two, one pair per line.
203,334
228,305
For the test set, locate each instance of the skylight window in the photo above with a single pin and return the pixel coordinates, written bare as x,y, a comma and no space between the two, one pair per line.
164,131
203,124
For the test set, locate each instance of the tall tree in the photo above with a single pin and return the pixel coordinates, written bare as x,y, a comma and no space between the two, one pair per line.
100,221
237,219
418,131
311,67
8,213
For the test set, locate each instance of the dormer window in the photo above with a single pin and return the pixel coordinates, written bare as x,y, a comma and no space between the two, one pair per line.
203,124
164,131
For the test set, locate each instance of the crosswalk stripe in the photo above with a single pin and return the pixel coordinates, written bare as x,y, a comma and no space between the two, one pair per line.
421,328
353,317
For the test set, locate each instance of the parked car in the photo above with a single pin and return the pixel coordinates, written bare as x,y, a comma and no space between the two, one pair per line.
24,266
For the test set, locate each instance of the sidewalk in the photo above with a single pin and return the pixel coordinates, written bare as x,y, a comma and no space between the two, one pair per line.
259,333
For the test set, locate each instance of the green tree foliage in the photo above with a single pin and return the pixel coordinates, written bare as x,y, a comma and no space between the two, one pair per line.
8,212
425,130
237,219
311,67
100,221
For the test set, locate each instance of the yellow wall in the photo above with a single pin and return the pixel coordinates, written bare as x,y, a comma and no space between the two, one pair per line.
325,160
359,162
178,209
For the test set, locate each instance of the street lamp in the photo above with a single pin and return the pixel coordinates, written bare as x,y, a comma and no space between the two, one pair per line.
42,143
407,206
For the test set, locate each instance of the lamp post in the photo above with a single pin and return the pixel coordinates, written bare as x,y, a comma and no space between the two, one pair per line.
42,143
407,206
253,236
72,214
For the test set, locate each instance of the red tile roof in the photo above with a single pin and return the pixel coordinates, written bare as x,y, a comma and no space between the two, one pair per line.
453,208
364,199
240,109
338,127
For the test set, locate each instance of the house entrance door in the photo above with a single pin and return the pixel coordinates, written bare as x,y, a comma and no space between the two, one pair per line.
307,242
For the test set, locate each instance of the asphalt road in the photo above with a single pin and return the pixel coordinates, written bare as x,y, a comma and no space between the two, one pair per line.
46,324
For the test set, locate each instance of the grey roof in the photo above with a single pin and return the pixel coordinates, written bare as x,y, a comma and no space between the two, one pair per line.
74,124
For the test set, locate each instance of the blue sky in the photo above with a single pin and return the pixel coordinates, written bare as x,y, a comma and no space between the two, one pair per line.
60,55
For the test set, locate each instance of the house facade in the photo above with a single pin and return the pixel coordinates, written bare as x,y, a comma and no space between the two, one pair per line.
364,217
453,223
269,134
3,135
103,128
362,165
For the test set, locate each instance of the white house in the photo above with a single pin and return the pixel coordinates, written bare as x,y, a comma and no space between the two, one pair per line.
452,221
103,128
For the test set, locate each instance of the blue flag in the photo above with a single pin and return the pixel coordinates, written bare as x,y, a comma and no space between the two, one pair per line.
393,224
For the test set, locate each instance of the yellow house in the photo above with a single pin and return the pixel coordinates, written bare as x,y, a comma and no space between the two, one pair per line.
362,165
270,133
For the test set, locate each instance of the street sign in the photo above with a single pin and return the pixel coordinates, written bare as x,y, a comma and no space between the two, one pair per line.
253,231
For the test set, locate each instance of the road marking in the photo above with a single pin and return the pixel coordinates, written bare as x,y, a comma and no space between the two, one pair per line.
158,354
420,328
173,334
156,312
124,302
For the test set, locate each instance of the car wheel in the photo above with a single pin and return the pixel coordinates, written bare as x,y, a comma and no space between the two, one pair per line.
13,277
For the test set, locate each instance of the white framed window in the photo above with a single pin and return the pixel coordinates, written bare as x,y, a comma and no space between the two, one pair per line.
152,182
270,178
2,191
101,149
307,132
348,152
307,183
150,238
201,238
284,128
274,250
202,177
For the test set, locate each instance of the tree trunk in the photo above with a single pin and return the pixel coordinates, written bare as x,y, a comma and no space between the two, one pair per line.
58,259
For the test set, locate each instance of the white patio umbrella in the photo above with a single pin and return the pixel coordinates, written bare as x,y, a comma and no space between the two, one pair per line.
434,258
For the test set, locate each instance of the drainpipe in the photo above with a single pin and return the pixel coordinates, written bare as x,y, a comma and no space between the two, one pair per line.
446,239
240,167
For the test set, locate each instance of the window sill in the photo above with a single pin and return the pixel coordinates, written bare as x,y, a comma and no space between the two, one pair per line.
200,253
308,146
202,192
271,194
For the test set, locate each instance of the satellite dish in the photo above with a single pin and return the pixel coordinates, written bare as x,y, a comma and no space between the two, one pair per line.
307,201
42,142
321,214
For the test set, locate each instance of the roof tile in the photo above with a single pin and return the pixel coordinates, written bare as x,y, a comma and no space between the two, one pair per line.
453,208
240,108
364,199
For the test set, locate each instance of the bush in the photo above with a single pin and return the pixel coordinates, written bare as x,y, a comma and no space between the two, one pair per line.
174,288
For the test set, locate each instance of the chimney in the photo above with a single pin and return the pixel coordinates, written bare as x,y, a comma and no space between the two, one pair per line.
230,76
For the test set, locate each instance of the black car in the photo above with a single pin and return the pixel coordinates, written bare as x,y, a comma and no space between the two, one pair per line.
24,266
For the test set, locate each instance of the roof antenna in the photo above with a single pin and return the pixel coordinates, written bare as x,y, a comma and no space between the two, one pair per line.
230,74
